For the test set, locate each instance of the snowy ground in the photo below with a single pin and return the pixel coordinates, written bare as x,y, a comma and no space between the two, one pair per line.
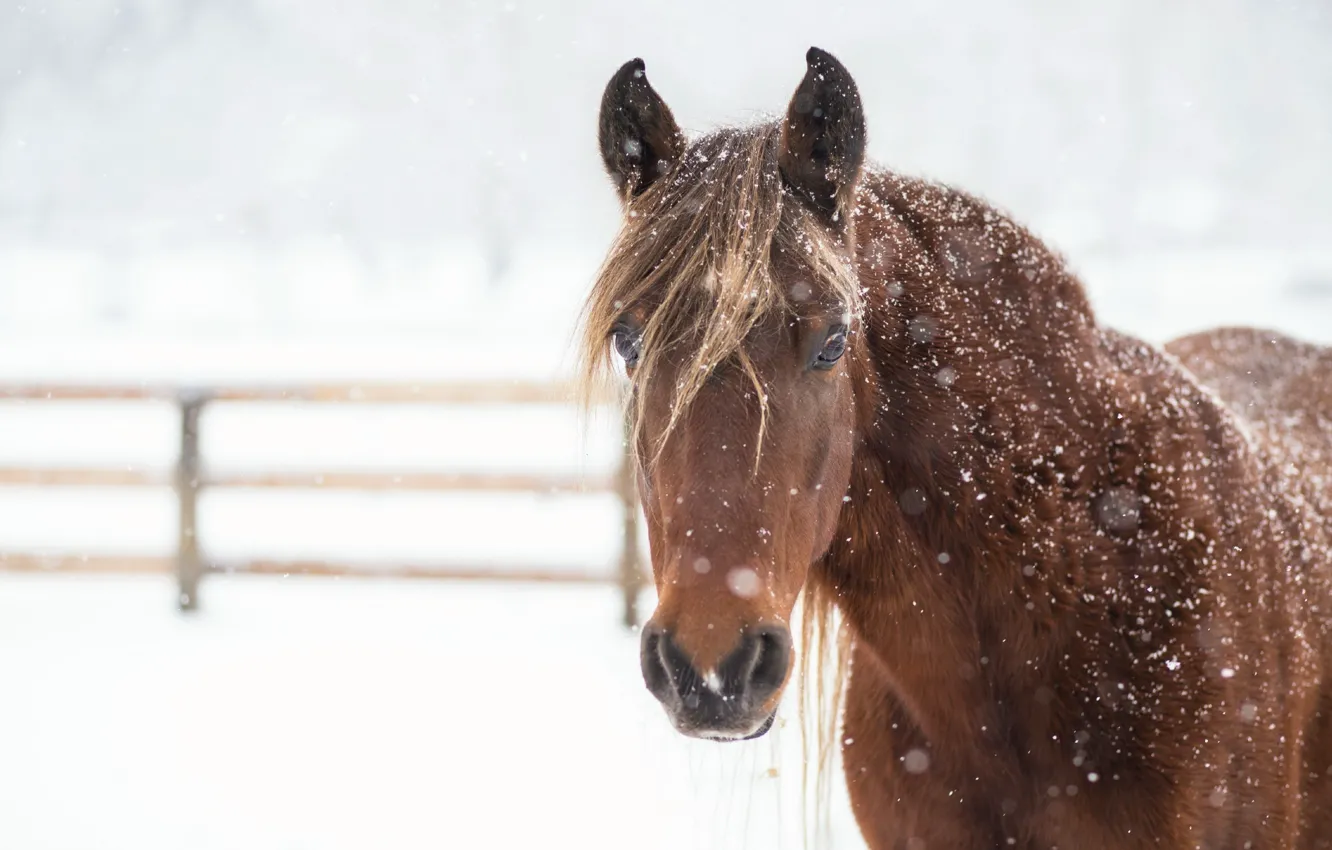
337,714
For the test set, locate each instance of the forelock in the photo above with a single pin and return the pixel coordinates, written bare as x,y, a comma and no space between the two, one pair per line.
694,253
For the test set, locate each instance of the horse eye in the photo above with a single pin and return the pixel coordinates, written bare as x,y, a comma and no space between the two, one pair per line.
628,344
833,349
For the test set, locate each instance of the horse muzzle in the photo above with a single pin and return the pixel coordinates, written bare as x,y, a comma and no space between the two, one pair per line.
734,701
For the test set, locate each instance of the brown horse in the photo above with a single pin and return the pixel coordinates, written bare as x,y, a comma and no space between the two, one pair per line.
1086,582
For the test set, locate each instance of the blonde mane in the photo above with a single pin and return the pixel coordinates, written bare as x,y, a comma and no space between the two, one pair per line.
694,253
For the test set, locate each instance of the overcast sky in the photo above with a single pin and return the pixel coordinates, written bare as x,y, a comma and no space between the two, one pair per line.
148,125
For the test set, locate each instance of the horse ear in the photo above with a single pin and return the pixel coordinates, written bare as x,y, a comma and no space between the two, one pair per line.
823,140
639,138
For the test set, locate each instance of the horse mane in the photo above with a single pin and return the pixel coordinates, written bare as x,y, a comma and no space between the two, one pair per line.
695,253
825,659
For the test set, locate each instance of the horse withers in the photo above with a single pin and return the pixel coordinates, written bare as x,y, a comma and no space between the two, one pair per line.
1086,581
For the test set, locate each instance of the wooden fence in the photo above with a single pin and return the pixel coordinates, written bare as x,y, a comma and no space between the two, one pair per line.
191,476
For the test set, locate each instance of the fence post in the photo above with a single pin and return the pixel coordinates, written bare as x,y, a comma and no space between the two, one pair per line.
189,566
631,570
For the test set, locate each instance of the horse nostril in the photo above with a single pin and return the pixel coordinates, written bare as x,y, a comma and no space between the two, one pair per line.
772,648
655,674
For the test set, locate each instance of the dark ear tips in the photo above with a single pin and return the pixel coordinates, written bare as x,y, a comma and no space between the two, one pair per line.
823,138
633,69
638,136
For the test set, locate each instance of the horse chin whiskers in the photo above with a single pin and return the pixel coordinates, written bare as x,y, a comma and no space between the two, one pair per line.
727,736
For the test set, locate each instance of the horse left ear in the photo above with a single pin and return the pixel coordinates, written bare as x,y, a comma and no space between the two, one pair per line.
823,139
639,138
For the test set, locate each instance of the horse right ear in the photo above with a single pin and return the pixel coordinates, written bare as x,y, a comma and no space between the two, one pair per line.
639,138
823,136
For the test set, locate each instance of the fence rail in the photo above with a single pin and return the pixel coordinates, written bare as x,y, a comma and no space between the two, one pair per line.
190,477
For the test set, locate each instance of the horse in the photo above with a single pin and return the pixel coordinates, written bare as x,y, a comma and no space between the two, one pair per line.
1084,580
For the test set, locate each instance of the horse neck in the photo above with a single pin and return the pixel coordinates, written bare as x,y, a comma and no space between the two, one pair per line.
978,376
983,353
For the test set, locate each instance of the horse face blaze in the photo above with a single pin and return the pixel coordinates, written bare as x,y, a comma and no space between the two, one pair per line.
734,524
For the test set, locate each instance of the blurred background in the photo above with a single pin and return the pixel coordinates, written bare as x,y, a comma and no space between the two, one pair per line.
224,195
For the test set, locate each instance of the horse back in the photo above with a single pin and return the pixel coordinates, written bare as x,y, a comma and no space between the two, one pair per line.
1280,387
1264,376
1281,390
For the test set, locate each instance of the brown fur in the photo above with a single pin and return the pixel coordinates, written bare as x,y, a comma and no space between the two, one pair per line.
1087,583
